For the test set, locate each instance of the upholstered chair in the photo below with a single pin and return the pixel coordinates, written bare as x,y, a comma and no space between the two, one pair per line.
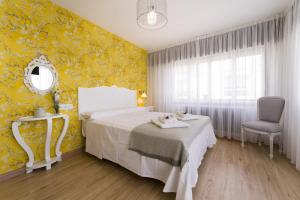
269,121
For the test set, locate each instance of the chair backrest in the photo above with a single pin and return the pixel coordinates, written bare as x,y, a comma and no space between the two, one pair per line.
270,108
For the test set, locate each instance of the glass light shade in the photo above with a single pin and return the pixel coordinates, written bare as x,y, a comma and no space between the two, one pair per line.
152,14
144,95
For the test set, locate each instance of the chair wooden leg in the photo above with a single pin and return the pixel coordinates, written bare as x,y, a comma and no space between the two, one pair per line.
242,137
271,146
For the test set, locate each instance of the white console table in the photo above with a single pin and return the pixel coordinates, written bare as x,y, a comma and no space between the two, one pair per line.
31,164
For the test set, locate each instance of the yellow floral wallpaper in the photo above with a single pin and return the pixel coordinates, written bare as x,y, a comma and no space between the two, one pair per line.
83,54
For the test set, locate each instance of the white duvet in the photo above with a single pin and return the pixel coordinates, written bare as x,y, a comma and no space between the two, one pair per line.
107,136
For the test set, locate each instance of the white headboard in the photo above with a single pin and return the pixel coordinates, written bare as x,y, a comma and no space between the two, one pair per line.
105,98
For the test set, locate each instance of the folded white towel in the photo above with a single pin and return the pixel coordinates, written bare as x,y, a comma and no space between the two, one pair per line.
175,124
167,119
179,114
187,117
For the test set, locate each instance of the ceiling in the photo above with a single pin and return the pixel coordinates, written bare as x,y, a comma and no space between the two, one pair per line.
186,18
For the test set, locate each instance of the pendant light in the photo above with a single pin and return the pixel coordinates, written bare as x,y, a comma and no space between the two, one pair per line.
152,14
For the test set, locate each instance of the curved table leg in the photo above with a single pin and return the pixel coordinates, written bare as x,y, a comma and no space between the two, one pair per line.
61,137
20,140
48,142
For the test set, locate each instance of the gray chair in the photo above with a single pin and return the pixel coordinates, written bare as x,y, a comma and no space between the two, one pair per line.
269,122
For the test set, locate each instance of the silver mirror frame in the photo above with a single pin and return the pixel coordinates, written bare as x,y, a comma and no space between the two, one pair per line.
39,61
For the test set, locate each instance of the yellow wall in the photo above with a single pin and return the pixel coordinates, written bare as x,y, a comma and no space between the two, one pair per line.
84,56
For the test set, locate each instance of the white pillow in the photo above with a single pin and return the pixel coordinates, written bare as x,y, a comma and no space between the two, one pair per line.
86,115
134,109
109,113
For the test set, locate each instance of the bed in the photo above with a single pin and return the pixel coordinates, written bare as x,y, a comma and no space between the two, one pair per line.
113,115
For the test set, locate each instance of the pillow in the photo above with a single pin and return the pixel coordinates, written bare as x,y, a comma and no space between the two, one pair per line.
112,112
86,115
135,109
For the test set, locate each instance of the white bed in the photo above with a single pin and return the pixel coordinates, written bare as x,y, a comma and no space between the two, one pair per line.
107,133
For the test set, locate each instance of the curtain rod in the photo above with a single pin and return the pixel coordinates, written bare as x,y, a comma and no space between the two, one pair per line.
210,34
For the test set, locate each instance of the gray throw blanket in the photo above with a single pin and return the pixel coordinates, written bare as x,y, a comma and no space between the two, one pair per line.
168,145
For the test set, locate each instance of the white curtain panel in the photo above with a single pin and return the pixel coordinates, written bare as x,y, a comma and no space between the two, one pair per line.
221,76
290,80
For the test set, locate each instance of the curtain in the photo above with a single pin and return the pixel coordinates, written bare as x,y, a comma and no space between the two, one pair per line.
220,76
289,78
263,33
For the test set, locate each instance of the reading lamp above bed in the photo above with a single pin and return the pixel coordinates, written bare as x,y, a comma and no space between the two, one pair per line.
105,98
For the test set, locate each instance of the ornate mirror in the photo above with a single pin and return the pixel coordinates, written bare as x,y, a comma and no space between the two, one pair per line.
40,76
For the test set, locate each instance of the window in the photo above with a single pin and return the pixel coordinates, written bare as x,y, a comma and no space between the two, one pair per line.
220,78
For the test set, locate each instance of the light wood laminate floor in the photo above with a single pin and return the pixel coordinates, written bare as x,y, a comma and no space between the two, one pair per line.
228,172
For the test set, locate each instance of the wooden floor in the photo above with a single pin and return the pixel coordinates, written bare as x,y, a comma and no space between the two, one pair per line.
228,172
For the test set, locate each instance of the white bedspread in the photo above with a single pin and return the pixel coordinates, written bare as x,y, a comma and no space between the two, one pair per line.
107,137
